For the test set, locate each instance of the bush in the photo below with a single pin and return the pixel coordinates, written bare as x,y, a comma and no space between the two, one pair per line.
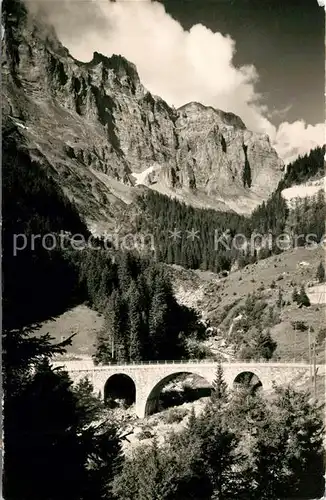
258,345
321,336
175,415
196,350
301,326
145,434
303,299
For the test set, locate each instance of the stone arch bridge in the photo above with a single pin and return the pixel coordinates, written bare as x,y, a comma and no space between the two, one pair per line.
148,378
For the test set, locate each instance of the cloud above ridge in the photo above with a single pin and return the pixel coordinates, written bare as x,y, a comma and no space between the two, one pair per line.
178,65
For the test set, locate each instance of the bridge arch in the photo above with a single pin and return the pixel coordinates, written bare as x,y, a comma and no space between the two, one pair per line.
248,380
120,387
153,398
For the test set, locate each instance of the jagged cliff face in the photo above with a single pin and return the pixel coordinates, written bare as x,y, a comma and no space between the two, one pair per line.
224,158
98,130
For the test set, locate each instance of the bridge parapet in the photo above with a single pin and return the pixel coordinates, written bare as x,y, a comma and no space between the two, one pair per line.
89,364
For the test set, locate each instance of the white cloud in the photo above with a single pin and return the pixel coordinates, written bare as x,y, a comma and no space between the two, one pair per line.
293,139
178,65
321,3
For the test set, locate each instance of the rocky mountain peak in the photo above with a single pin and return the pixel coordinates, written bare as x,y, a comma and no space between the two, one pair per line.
119,64
195,110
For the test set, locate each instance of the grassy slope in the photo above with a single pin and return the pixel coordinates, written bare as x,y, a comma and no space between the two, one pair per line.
82,321
210,294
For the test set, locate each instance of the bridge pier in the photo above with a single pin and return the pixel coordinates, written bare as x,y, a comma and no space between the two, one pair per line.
140,409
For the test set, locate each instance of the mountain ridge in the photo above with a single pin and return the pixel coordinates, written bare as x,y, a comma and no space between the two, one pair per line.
95,122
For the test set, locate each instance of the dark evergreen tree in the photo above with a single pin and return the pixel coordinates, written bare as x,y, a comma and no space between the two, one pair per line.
105,460
295,434
125,266
116,316
104,349
246,176
136,327
264,346
219,457
88,404
146,477
192,422
157,321
303,299
219,394
320,275
295,295
257,344
46,442
113,342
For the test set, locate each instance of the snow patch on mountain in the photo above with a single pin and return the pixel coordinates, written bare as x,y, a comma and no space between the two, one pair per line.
142,177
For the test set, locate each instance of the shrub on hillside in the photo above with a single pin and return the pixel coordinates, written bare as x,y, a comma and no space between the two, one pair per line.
321,336
303,299
196,350
175,415
320,275
258,345
301,326
145,434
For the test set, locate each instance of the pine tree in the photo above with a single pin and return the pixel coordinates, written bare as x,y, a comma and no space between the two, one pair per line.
220,459
320,275
279,302
105,460
246,176
295,295
192,422
88,404
270,318
150,482
264,346
43,413
124,271
103,347
303,299
135,323
144,477
295,434
157,320
219,394
305,453
112,341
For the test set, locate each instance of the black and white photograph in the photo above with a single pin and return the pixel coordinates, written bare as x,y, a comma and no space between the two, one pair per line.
163,249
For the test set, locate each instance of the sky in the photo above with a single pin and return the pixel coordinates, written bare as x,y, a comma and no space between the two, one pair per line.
261,59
